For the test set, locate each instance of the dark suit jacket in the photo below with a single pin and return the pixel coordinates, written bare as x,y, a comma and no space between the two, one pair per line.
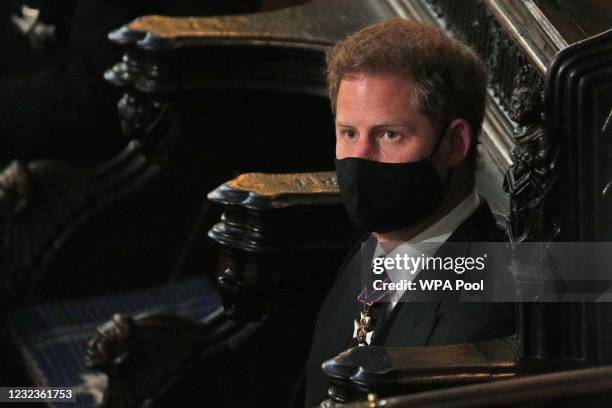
445,321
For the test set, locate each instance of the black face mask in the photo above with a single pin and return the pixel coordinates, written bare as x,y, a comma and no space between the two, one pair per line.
382,197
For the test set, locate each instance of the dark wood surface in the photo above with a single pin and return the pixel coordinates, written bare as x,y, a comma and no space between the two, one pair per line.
320,22
276,4
284,236
396,370
589,386
577,20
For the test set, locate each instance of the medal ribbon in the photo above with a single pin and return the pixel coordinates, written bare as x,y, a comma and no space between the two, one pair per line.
368,299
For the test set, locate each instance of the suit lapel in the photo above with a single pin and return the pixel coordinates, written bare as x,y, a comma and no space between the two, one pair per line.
417,323
365,258
418,313
417,317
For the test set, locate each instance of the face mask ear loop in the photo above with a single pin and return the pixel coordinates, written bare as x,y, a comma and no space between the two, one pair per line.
439,141
449,173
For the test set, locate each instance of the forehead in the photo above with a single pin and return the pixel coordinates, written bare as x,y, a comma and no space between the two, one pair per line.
372,99
375,96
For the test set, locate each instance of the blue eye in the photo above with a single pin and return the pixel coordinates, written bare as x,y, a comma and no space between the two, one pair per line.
349,133
389,134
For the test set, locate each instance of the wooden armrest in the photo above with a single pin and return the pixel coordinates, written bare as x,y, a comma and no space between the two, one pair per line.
145,356
284,236
592,385
396,370
283,49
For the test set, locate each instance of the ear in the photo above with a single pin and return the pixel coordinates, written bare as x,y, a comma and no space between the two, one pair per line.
458,142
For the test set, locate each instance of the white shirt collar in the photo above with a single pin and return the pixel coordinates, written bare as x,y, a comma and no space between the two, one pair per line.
442,229
445,226
436,234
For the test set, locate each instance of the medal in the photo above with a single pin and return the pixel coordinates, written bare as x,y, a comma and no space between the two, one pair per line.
363,331
363,327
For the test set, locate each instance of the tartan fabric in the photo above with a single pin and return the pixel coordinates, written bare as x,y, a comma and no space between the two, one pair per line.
52,337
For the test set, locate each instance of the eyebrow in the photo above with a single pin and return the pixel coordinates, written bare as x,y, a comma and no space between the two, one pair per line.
382,125
392,125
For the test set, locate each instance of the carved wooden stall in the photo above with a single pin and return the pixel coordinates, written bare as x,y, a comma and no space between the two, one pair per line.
105,217
284,236
197,114
518,41
199,110
184,79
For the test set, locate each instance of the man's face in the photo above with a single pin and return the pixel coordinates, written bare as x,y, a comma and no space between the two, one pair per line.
375,120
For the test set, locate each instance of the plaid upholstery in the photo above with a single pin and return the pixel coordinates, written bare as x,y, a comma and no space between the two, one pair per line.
52,337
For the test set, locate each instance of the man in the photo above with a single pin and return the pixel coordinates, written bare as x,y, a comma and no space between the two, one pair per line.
408,103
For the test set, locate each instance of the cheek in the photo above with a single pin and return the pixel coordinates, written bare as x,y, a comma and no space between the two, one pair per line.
341,151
